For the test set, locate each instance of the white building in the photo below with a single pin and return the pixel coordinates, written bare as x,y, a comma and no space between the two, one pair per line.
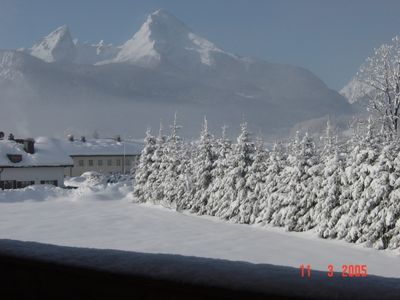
28,162
102,155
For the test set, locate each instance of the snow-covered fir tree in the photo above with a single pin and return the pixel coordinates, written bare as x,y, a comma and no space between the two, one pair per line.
278,208
328,211
155,193
270,195
173,166
202,165
358,178
313,168
222,150
390,211
235,188
142,183
377,219
301,186
329,195
249,209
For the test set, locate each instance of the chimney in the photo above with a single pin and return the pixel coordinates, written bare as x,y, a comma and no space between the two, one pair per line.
29,146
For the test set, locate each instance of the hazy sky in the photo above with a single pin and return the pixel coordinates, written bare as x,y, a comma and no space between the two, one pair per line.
330,38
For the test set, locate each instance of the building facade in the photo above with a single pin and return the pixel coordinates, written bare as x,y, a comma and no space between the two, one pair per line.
26,162
102,163
15,178
102,155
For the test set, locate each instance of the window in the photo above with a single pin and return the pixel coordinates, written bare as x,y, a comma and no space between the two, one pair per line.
52,182
128,161
109,162
118,161
7,184
81,163
90,162
15,158
22,184
100,162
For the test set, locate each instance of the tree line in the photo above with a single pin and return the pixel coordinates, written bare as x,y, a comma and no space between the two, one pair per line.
342,188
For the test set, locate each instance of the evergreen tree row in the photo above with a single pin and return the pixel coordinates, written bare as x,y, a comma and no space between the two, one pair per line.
347,190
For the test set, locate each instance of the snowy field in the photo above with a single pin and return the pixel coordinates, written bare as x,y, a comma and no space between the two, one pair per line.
100,216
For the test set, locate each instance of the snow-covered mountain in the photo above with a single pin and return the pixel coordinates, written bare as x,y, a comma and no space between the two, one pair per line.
55,47
58,46
163,68
164,39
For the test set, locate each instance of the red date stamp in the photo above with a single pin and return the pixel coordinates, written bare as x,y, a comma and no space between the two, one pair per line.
354,271
349,270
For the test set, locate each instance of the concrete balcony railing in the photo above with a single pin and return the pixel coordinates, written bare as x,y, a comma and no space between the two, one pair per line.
40,271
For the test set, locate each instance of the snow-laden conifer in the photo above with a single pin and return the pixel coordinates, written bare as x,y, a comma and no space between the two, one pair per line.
239,162
299,192
270,202
173,165
155,192
358,179
329,195
250,206
390,211
286,187
202,168
144,169
377,219
311,186
222,149
327,208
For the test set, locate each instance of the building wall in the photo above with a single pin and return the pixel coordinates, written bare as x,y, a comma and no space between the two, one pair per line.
102,164
36,174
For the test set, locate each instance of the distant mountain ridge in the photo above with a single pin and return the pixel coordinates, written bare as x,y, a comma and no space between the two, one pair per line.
163,68
162,37
58,46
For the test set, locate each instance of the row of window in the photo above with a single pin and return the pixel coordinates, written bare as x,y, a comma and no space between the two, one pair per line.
101,162
14,184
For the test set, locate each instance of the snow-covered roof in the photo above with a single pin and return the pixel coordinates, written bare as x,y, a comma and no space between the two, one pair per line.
47,153
101,147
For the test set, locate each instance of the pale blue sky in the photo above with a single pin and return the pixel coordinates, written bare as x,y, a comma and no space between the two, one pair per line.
330,38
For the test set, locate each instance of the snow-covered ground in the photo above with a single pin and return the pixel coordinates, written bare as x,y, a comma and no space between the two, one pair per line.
104,216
